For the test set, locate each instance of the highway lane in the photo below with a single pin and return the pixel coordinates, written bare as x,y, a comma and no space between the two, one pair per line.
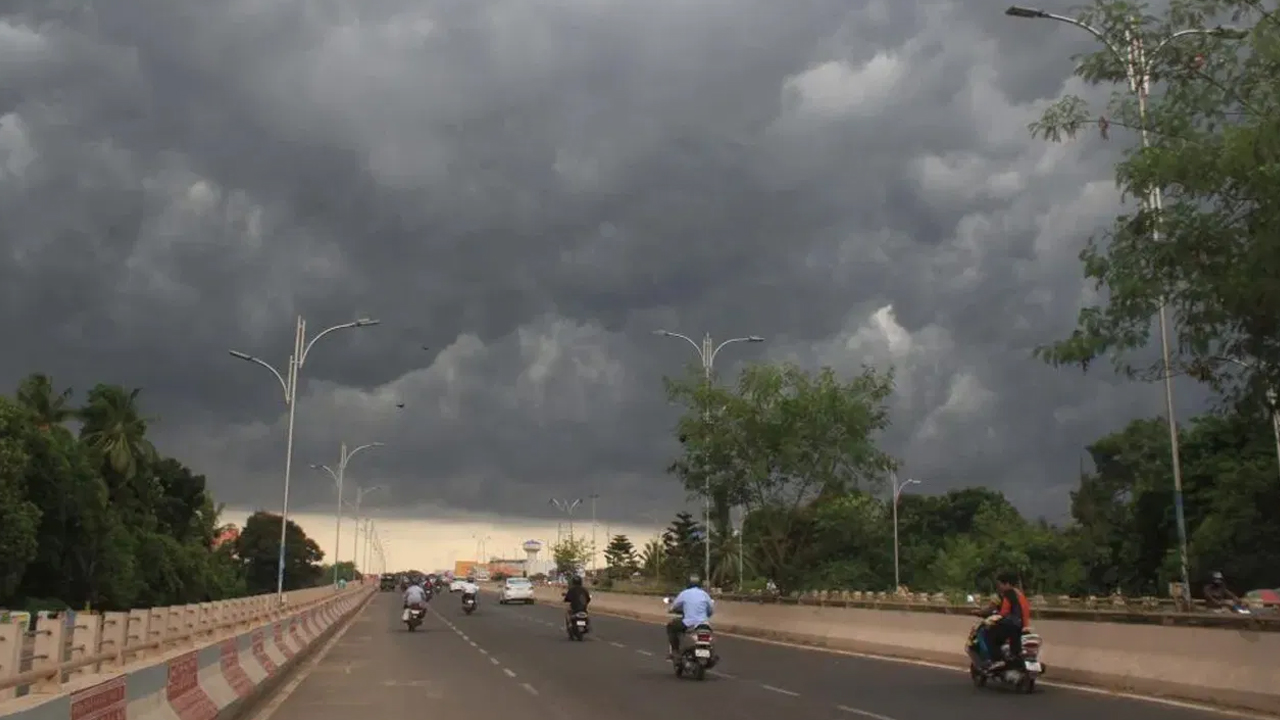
756,678
380,671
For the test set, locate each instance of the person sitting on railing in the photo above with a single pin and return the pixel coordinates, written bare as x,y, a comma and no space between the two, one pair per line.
1217,595
1010,618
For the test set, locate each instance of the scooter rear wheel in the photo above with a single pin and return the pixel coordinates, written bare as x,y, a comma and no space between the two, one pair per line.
979,679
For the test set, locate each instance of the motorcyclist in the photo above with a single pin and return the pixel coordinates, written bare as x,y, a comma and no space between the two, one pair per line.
1010,617
577,596
415,596
470,589
694,606
1217,595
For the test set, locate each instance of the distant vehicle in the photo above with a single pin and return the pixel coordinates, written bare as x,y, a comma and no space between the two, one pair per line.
387,583
456,585
516,589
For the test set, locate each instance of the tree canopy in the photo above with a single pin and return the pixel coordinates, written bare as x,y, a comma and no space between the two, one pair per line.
1211,248
97,517
817,513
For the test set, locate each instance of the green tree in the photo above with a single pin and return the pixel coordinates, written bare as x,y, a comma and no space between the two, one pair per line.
258,548
779,441
19,517
620,557
49,407
570,554
114,427
1214,144
651,557
682,553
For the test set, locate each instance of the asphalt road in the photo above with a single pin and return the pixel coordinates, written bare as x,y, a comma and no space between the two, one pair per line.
515,661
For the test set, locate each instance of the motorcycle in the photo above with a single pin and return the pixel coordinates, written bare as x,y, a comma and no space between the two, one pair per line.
413,616
468,603
981,670
696,654
577,625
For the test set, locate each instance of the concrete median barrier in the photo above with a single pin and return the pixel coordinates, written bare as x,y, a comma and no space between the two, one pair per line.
194,675
1232,667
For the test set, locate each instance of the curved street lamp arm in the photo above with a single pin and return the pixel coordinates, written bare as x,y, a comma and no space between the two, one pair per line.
327,469
363,322
686,338
749,338
366,446
284,385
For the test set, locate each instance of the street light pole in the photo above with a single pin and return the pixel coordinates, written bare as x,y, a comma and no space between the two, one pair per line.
360,493
301,349
594,497
707,352
897,492
1137,72
344,457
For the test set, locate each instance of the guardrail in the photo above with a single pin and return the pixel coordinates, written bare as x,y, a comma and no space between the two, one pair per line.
69,645
1115,609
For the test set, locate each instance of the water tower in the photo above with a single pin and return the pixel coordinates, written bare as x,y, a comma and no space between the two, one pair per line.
531,550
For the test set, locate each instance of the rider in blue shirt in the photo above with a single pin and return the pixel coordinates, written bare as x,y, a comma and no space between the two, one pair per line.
694,606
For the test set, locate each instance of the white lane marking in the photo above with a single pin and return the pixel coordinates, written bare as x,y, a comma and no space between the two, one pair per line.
529,687
493,660
863,713
617,644
724,675
780,690
508,672
483,651
645,652
473,643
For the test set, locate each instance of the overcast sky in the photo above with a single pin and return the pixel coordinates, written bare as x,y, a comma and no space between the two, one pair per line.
522,190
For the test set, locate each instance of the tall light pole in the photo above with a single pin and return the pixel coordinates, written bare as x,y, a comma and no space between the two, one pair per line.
897,492
707,352
344,457
567,507
360,493
593,497
1138,72
1271,402
301,349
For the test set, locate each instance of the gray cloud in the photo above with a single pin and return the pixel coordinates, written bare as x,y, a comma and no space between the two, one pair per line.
528,189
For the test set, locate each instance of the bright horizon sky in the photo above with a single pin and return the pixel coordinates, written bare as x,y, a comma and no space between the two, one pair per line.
436,544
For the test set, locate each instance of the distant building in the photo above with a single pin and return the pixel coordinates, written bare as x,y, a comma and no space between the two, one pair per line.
227,534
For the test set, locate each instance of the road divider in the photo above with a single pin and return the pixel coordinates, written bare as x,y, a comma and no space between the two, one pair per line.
1237,667
175,663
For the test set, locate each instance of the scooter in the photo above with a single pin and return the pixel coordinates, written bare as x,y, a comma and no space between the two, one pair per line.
413,616
696,653
1003,669
577,625
468,603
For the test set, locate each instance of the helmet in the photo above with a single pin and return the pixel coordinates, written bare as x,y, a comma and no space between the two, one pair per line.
695,581
575,581
1216,576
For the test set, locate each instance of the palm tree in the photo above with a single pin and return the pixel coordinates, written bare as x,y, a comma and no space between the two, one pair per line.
651,558
113,427
50,407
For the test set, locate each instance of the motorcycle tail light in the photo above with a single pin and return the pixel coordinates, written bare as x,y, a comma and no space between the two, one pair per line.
704,637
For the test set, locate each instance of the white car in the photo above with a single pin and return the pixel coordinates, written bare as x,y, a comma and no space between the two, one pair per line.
456,585
516,589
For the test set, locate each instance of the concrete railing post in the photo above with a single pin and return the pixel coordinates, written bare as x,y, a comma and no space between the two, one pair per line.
86,638
139,632
115,631
11,638
50,632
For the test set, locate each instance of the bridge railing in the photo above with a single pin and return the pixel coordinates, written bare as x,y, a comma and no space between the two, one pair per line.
64,646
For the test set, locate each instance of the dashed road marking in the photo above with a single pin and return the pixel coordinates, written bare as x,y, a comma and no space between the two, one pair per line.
493,660
724,675
780,690
863,713
508,672
644,652
617,644
529,687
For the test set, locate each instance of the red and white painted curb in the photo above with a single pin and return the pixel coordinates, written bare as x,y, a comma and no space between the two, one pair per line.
209,683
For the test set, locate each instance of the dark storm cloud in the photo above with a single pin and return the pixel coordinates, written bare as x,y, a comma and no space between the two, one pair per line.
528,189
